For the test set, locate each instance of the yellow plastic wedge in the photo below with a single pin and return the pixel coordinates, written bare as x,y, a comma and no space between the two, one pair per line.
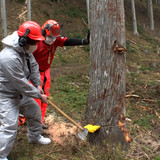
92,128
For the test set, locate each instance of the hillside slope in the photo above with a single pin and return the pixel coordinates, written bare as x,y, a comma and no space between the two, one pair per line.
70,81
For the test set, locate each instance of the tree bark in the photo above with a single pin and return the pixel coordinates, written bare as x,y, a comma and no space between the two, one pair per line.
134,17
87,3
150,8
29,10
107,90
3,16
157,2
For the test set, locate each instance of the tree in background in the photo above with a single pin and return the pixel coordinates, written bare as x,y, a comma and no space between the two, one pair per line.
134,17
150,11
157,2
3,17
107,90
28,10
87,3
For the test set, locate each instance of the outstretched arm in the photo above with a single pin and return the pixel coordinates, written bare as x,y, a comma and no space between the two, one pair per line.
77,41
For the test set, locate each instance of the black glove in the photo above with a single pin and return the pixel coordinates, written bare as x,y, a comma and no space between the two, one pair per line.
87,40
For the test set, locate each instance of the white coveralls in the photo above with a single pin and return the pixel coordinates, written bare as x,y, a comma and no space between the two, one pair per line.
16,93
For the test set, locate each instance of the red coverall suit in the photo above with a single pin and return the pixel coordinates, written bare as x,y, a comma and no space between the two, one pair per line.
44,55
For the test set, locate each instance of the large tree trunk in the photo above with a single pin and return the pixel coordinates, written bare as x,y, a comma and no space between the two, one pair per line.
134,17
106,101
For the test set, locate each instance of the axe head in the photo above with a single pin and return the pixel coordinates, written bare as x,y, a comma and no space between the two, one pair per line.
82,135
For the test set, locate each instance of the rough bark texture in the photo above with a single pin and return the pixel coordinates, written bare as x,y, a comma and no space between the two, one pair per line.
106,99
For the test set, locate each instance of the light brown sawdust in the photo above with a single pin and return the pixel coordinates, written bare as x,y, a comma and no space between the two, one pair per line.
59,130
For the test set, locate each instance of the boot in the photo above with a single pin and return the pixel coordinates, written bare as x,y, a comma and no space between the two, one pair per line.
42,140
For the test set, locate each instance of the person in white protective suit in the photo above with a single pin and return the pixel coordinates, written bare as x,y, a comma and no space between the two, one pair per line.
17,67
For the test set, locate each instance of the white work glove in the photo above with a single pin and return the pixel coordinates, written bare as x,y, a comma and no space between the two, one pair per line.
40,89
44,98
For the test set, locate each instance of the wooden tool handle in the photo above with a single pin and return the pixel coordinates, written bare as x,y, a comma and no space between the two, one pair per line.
70,119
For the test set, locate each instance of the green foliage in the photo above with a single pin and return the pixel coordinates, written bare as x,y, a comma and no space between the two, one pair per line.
157,158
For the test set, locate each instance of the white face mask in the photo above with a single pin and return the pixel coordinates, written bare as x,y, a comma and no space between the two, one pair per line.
49,40
31,49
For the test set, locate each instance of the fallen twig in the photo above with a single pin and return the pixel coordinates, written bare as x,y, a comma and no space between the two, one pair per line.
85,23
157,114
132,95
150,100
145,108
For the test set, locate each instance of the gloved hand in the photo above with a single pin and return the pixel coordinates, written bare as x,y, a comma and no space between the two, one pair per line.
44,98
87,40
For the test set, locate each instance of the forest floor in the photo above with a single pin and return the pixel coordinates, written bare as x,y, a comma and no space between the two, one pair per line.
70,84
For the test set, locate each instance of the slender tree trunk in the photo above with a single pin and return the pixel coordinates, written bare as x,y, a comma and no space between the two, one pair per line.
3,16
134,18
106,101
157,2
29,10
151,14
87,2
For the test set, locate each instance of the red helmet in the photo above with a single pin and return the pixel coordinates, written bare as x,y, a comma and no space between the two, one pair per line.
51,26
35,32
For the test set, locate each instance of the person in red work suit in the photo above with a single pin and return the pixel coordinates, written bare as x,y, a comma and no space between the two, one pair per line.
45,52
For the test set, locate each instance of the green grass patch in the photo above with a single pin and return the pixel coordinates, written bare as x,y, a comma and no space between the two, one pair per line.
129,49
140,29
133,74
157,158
152,83
143,68
144,121
71,93
71,12
71,55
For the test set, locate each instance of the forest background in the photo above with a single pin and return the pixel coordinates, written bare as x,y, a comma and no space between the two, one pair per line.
70,83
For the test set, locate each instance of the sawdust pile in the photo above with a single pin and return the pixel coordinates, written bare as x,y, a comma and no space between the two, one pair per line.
59,130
